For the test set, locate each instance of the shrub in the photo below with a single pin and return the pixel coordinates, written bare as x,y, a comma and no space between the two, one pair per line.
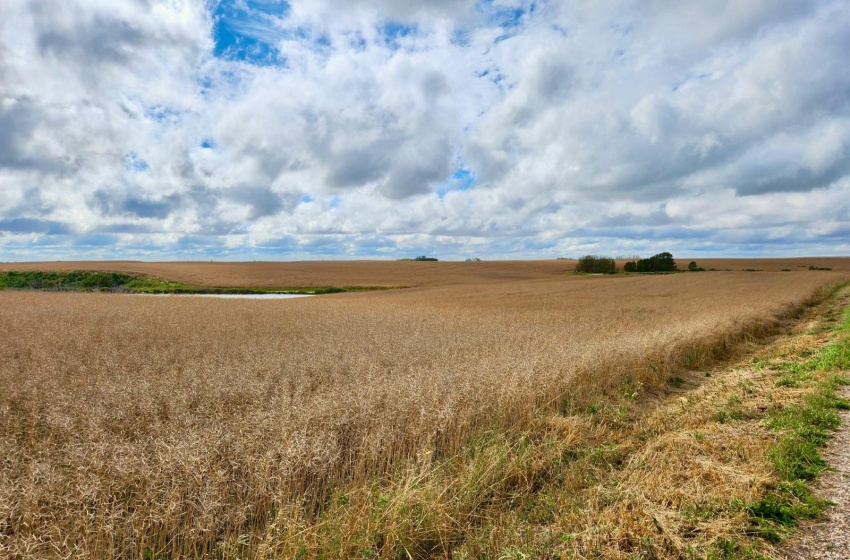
595,264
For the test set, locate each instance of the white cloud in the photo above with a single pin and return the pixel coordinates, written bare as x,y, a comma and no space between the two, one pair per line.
607,125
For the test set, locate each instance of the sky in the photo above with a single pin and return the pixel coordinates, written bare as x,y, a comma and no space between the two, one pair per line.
497,129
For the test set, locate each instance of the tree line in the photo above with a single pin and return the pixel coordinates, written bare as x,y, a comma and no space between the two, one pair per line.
662,262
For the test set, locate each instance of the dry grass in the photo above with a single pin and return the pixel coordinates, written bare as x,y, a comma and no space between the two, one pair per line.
188,426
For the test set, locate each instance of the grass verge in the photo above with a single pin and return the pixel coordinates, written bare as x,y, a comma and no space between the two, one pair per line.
802,430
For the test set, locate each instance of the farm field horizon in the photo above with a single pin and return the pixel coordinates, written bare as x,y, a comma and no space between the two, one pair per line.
270,274
163,427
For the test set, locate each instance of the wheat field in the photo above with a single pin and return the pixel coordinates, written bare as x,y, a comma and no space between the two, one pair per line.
131,424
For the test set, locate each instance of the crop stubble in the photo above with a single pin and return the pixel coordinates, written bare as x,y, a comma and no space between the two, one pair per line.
132,423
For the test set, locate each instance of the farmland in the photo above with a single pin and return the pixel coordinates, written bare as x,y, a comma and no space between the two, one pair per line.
136,426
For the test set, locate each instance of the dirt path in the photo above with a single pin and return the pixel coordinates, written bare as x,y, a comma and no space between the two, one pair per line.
829,538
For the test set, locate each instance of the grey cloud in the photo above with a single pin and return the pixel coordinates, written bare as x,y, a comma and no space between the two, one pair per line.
110,202
20,120
552,78
417,177
263,201
646,232
725,20
34,225
657,217
100,34
130,228
31,203
16,124
202,201
100,38
417,170
788,177
358,166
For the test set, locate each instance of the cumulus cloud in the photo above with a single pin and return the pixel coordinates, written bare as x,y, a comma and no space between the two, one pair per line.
510,128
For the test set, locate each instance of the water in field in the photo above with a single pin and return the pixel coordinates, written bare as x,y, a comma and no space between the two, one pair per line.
253,296
235,296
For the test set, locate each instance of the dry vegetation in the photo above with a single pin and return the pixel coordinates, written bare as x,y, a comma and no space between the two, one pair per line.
135,426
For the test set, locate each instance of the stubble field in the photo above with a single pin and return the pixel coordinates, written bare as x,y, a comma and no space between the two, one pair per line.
148,426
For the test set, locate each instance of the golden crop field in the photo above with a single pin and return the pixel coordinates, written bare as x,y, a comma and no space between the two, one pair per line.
131,424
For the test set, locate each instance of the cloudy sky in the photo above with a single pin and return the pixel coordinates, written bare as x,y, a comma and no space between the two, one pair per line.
319,129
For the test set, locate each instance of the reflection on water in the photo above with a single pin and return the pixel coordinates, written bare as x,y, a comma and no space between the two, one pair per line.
235,296
253,296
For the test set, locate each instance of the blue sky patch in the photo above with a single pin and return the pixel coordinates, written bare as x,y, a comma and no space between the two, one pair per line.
163,114
248,30
462,180
394,32
135,164
505,17
461,37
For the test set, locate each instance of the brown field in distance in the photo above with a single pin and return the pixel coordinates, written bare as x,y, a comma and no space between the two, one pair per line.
174,424
390,273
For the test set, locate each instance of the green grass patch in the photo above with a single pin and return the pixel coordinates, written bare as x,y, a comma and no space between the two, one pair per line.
803,429
93,281
726,549
75,280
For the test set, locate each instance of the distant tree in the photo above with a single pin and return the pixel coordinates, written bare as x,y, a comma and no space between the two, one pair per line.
473,259
692,266
662,262
424,258
595,264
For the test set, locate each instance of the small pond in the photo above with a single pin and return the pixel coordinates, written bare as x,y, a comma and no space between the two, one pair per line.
237,296
253,296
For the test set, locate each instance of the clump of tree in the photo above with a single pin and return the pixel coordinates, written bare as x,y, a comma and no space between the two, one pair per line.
595,264
662,262
693,267
80,280
473,259
424,258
